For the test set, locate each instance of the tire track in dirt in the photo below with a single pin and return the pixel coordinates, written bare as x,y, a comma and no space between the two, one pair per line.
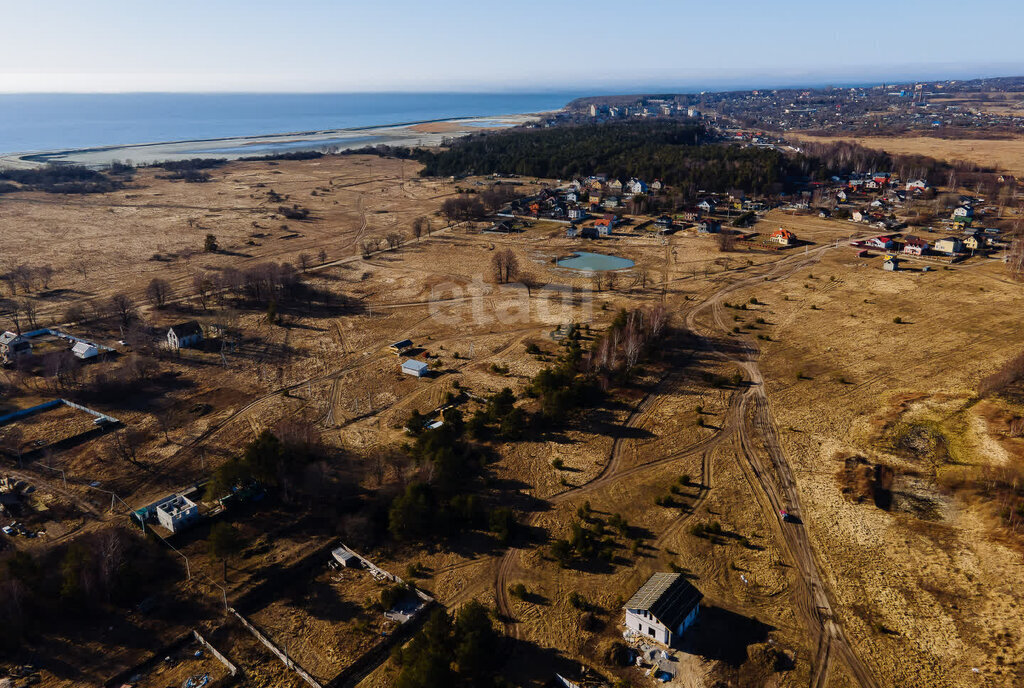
778,488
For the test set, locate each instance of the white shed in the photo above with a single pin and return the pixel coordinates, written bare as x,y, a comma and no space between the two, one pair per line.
416,368
84,350
346,558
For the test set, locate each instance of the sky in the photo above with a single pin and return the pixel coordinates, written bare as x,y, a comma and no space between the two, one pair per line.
485,45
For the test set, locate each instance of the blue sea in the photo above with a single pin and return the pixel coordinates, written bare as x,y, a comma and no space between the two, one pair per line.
56,122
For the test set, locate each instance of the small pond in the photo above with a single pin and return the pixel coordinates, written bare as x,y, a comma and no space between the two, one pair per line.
595,262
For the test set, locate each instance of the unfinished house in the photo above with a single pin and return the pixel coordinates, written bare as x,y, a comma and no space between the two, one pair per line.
664,607
14,346
177,513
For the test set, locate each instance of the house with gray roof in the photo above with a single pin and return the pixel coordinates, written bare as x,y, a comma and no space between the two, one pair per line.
664,607
13,346
415,368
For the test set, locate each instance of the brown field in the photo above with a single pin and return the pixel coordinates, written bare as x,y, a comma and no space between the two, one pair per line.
916,594
1002,155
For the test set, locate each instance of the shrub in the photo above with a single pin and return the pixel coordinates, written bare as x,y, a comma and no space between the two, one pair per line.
898,320
578,601
558,464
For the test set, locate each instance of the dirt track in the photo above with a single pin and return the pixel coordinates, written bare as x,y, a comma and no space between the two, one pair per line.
749,419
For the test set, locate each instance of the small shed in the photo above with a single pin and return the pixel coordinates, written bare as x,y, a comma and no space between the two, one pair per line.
346,558
84,350
400,347
891,264
415,368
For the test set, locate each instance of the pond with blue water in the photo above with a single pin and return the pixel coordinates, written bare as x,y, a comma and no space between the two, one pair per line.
595,262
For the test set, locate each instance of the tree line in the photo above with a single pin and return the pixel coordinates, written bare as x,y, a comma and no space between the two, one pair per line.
60,179
677,154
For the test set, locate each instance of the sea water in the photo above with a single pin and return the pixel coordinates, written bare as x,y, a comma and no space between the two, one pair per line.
59,122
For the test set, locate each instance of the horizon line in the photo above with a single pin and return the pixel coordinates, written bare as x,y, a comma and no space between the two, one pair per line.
723,86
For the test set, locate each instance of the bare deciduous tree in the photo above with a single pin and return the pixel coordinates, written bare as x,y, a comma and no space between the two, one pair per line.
28,308
158,291
505,265
395,240
420,226
123,306
202,287
11,308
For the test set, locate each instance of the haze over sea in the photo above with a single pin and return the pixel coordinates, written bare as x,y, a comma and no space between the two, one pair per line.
54,122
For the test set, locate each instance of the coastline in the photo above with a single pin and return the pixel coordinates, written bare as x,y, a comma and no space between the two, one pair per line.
429,133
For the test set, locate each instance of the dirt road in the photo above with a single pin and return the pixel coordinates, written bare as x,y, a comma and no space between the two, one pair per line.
749,418
770,473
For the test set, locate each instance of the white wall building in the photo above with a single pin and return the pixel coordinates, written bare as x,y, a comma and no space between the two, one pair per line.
84,350
664,607
176,513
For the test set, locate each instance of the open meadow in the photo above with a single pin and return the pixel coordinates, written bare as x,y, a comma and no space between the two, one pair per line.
804,379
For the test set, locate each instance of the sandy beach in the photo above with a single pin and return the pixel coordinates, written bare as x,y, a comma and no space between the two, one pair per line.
410,134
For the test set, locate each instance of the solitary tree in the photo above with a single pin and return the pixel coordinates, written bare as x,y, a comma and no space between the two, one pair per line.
123,307
224,542
210,245
158,291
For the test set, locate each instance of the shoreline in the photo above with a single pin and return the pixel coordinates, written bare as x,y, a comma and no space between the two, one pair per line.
426,133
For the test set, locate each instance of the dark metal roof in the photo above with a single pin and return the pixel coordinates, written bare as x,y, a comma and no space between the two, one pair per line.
669,597
186,329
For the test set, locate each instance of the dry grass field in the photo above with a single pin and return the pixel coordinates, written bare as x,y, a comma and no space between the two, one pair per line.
1003,155
921,592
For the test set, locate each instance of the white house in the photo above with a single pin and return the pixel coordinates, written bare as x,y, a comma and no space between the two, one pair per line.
14,346
664,607
635,186
917,184
914,246
414,368
963,211
176,513
707,206
84,350
783,237
882,242
184,335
